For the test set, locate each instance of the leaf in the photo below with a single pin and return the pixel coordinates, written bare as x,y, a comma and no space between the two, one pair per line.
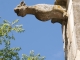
5,21
15,21
28,58
8,42
1,53
0,41
1,58
1,32
13,37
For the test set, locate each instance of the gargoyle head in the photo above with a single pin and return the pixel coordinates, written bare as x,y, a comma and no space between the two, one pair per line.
20,10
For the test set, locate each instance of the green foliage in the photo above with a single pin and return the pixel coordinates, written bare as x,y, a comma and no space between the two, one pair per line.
6,27
32,56
8,53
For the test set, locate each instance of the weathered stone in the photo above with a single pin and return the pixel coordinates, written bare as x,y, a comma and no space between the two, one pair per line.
70,22
77,55
43,12
72,48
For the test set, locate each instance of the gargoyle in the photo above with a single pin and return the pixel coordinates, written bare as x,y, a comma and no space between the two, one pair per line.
43,12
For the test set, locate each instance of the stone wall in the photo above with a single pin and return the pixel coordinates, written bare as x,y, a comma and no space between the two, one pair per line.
71,31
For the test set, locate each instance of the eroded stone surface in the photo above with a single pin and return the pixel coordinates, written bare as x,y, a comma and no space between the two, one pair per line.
43,12
77,55
77,22
72,46
70,28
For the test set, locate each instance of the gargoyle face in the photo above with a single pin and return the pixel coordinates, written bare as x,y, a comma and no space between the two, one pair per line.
20,10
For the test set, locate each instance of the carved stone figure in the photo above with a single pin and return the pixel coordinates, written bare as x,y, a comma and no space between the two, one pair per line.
60,2
43,12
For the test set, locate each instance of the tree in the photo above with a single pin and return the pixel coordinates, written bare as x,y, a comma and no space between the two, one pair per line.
8,53
32,56
6,28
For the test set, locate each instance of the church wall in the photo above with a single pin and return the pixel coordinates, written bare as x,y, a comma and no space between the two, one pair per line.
72,32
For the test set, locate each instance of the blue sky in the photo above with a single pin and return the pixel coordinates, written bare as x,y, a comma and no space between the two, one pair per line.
42,37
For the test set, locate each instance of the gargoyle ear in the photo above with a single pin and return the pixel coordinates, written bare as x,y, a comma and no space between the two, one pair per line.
22,3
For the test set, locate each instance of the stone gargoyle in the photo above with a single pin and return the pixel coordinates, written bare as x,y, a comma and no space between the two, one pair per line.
43,12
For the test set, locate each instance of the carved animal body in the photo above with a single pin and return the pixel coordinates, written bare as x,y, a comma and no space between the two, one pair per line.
60,2
42,12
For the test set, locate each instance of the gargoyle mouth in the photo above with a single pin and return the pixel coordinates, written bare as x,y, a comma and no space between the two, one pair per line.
16,11
19,12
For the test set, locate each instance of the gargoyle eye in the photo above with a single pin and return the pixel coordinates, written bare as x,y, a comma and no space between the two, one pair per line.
18,6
